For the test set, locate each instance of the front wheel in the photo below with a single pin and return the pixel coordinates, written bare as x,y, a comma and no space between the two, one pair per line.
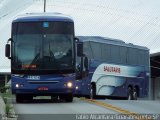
29,98
135,97
54,98
69,98
19,98
130,94
92,92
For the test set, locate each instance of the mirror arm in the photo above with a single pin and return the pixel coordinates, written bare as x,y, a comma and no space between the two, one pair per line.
76,39
10,39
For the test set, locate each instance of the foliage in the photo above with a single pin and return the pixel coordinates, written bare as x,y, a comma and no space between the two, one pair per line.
4,89
8,108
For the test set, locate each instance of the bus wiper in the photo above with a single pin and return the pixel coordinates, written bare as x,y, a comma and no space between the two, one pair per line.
34,60
52,56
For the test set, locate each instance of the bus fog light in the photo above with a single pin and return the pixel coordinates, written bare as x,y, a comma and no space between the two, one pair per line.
77,87
69,84
17,85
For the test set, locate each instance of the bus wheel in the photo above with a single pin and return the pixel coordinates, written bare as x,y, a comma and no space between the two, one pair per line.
19,98
130,93
135,94
54,98
92,92
27,98
69,98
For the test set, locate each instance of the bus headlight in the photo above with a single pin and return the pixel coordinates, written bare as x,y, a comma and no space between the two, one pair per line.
17,85
69,84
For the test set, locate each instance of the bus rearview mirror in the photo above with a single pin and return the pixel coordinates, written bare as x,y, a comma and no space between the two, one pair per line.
7,50
79,49
86,63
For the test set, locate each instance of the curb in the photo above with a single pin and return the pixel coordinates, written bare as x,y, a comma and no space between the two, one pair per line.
11,116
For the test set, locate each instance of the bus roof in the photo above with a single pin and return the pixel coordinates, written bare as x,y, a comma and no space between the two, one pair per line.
31,17
106,40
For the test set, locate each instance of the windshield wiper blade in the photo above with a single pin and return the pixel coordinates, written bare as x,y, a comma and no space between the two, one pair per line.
34,60
52,56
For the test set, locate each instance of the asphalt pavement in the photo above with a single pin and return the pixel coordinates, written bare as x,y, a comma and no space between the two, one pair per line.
58,110
138,106
81,109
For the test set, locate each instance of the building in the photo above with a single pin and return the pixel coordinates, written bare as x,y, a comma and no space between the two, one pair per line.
155,76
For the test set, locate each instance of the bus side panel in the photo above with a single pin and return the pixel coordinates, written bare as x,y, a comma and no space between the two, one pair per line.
84,86
109,77
121,91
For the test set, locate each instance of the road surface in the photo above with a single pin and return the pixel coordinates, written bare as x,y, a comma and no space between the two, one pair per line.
84,109
48,110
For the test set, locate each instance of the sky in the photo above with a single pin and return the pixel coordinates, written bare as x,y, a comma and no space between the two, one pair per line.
133,21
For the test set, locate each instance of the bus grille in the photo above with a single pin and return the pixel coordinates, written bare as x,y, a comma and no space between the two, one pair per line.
42,82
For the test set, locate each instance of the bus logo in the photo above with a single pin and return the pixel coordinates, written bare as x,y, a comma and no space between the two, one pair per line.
33,77
112,69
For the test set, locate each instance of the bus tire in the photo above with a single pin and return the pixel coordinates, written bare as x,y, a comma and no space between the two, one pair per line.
29,98
69,98
135,96
19,98
54,98
130,94
92,92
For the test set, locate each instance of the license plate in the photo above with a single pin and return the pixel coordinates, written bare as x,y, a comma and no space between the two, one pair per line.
42,88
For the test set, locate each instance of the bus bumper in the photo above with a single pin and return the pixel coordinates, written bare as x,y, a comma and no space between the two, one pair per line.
41,87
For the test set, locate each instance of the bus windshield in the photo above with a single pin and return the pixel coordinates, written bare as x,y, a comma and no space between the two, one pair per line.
42,45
